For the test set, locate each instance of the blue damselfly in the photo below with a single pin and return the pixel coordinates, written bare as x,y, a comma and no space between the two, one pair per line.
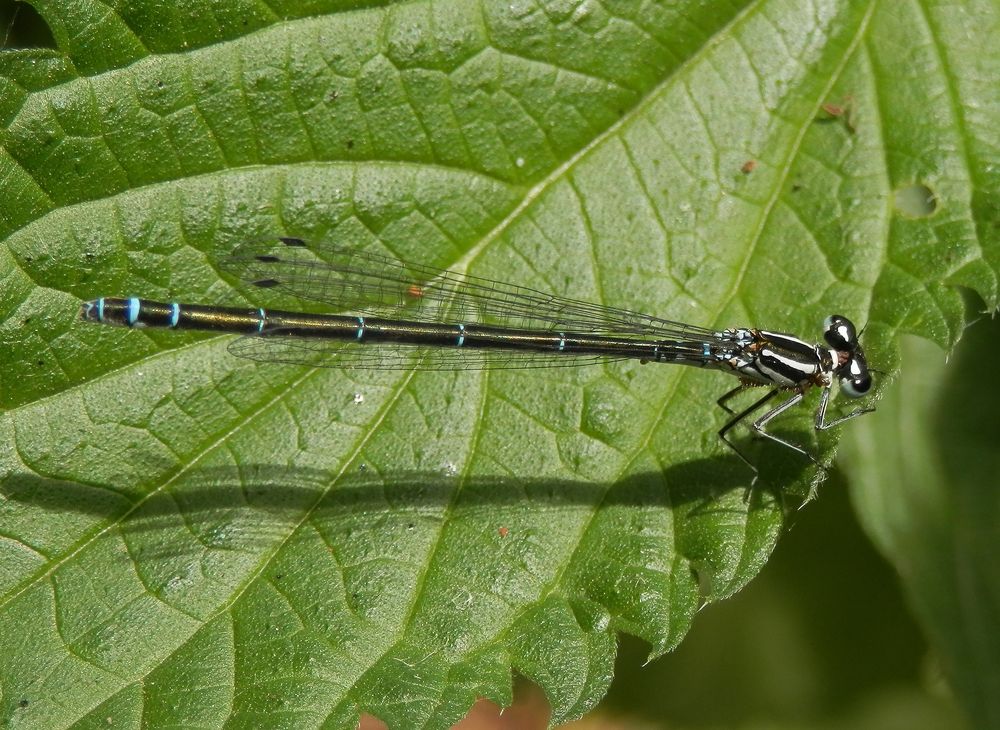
412,316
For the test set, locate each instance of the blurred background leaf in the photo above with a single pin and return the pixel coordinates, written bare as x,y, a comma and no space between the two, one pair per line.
187,538
925,477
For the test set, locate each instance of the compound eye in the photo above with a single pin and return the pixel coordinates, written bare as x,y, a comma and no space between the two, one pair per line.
855,380
839,333
856,387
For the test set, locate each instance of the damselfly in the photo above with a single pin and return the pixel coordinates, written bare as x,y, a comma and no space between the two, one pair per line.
411,316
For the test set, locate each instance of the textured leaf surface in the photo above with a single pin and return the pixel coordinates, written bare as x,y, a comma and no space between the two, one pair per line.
190,539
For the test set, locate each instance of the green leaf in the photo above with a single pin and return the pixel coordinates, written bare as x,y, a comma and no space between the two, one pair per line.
188,538
925,483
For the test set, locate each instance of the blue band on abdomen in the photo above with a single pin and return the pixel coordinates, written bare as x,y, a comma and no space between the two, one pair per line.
132,311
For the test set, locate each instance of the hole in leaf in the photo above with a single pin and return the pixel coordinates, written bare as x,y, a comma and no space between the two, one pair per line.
23,27
916,201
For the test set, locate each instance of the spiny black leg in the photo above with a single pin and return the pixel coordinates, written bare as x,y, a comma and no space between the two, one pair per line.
737,417
821,422
760,426
729,396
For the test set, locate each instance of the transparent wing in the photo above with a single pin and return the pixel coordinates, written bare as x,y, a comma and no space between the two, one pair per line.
350,354
374,285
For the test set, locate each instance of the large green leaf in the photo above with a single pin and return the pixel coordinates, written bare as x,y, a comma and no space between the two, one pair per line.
187,538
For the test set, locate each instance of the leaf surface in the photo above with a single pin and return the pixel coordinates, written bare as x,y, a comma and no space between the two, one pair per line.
189,538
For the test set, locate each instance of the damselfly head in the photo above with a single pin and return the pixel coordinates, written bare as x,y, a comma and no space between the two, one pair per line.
841,334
